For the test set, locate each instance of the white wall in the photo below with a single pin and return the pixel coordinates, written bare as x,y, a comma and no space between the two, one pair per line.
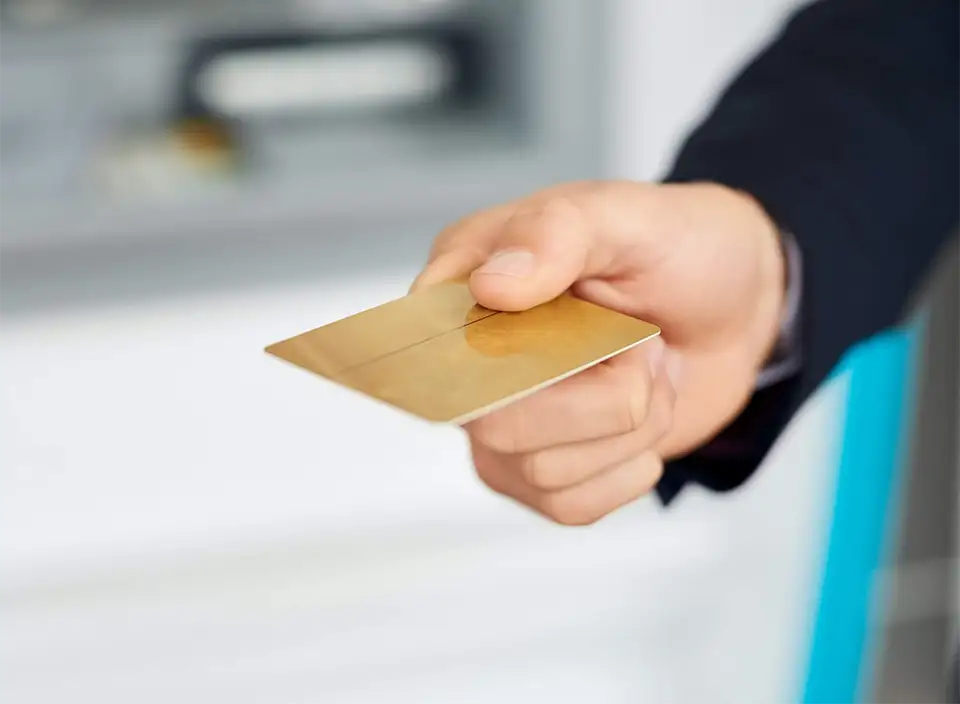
184,519
670,61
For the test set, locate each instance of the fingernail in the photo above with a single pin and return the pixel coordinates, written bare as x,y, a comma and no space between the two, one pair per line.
509,262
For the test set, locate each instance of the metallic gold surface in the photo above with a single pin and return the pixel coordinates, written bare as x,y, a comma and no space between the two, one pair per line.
439,356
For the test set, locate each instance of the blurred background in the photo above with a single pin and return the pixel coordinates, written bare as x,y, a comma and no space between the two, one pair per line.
185,520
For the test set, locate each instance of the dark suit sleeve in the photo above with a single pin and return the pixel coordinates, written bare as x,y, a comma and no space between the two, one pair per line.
845,128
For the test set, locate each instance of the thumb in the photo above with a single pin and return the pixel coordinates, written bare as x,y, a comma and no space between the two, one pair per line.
537,255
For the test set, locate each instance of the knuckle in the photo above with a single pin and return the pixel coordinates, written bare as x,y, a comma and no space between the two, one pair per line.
491,432
559,202
562,209
540,215
569,509
488,472
539,470
531,469
490,477
652,472
482,466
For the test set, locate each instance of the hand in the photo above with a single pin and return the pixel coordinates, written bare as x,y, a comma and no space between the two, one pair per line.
701,261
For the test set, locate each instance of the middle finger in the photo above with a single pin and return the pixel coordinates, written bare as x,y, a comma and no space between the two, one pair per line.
611,398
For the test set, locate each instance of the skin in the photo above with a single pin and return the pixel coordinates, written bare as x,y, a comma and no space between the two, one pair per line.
702,261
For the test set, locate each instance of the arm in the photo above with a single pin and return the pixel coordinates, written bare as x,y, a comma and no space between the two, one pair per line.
845,129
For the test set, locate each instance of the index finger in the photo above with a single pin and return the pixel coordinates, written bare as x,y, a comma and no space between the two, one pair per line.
608,399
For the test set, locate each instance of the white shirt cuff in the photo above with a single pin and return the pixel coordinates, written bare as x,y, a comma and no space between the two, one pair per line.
786,358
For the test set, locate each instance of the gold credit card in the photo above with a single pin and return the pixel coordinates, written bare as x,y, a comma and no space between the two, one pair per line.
440,356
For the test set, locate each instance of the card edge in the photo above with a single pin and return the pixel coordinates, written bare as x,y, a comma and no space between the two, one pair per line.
503,403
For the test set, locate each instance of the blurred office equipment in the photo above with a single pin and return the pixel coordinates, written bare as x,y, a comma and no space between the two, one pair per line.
132,120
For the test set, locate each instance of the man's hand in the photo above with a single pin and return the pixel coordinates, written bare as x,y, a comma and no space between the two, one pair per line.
701,261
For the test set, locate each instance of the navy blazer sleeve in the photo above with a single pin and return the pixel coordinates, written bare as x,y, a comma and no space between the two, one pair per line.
845,128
